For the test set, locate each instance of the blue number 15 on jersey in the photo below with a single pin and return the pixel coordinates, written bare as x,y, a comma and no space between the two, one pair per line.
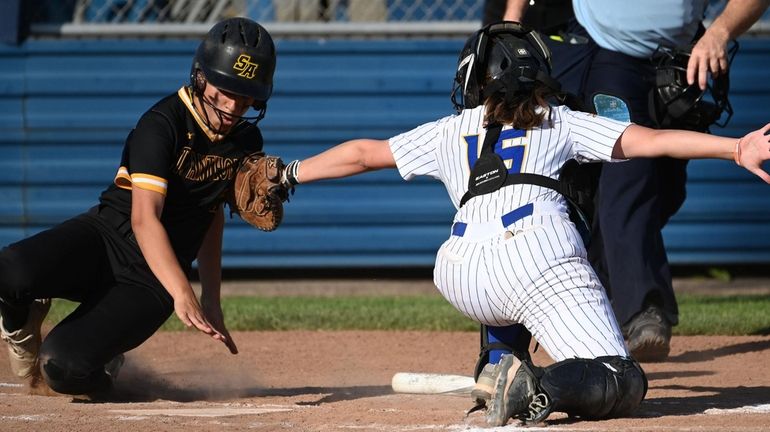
512,154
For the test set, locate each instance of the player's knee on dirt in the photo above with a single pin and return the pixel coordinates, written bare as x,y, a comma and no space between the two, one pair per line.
604,387
68,372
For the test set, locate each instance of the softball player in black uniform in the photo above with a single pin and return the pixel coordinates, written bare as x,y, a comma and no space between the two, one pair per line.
127,260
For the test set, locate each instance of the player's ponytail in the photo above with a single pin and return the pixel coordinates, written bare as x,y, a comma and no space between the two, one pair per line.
524,110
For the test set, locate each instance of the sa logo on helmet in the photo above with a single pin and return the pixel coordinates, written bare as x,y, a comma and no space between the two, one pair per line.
245,67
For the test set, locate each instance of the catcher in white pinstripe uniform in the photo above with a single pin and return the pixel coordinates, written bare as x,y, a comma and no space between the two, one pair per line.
514,255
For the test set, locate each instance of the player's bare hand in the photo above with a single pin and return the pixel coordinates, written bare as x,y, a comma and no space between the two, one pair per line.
213,312
708,55
753,149
189,311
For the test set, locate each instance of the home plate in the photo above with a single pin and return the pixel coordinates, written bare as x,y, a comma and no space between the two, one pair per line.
201,412
749,409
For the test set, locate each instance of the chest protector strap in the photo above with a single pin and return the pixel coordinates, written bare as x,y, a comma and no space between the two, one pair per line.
489,174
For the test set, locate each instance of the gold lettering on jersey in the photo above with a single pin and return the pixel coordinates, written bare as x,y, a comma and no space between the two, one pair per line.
194,166
245,67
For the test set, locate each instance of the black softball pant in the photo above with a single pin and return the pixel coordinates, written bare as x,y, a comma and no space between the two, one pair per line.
85,260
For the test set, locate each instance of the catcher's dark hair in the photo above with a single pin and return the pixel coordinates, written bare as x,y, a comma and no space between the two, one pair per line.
525,110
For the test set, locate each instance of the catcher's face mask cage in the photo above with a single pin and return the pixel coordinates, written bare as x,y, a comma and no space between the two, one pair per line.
502,57
238,56
675,103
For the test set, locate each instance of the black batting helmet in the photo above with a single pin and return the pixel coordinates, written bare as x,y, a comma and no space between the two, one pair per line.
237,55
675,103
502,57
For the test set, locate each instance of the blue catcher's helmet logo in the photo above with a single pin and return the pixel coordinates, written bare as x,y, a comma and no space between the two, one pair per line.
245,67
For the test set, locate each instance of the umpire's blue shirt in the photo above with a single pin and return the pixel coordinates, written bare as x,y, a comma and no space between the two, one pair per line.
637,27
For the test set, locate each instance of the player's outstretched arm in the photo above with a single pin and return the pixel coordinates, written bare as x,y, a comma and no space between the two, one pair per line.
210,272
749,151
146,210
344,160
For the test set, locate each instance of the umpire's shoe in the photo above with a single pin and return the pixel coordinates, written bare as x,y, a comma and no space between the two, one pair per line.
516,395
24,343
648,335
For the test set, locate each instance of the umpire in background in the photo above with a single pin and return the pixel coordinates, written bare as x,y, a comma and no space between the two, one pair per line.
127,260
602,52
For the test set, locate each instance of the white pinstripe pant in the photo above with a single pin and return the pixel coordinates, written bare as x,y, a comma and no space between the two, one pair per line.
538,277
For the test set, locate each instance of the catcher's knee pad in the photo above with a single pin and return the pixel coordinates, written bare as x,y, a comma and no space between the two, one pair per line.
631,382
604,387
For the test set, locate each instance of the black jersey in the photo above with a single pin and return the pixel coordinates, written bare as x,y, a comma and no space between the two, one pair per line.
172,152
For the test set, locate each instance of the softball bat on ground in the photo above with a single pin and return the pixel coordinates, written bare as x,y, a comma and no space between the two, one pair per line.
428,383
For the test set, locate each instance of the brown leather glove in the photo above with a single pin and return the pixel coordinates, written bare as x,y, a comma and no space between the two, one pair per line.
257,194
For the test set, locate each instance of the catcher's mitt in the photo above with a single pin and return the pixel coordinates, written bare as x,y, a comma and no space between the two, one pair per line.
257,194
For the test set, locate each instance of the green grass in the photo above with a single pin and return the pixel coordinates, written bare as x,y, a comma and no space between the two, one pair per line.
698,315
733,315
327,313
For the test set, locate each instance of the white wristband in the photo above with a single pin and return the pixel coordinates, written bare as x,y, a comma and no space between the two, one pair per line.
291,173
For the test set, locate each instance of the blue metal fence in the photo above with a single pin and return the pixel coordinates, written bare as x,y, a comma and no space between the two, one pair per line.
66,107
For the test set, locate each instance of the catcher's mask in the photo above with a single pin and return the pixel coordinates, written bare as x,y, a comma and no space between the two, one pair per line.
504,57
238,56
674,103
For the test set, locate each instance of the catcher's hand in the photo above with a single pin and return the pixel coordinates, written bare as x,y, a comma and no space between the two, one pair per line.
257,194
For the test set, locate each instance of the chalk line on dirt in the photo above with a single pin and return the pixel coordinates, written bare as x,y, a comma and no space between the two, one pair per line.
25,417
748,409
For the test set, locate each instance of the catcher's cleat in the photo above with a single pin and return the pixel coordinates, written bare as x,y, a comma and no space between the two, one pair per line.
485,384
516,395
24,343
648,335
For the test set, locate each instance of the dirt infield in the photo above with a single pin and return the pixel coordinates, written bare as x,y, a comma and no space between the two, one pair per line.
340,381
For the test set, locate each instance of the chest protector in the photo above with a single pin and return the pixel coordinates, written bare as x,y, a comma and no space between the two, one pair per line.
577,182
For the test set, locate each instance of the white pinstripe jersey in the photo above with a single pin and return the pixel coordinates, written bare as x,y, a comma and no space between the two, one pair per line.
446,149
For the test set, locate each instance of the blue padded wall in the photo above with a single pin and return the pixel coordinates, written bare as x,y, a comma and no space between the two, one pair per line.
66,107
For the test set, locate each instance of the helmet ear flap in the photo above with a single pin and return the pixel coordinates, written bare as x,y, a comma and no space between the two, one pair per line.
481,55
465,87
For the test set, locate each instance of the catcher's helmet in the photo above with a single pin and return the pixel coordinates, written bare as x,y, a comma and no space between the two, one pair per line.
675,103
238,56
502,57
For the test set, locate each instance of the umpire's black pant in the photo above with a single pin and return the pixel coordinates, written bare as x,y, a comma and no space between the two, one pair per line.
635,198
86,260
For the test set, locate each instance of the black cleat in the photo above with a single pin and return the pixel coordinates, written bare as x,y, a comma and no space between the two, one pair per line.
648,335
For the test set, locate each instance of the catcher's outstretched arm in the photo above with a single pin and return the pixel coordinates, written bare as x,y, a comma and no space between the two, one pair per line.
749,151
346,159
